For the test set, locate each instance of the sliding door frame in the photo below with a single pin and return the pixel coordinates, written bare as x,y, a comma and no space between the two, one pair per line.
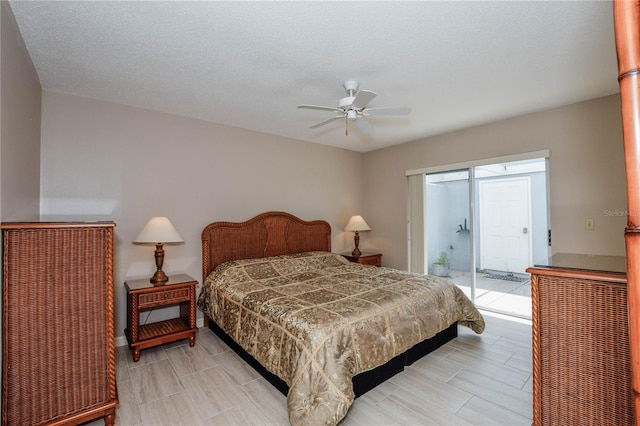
416,208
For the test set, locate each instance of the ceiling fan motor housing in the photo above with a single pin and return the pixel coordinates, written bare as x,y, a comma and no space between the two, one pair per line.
344,103
351,86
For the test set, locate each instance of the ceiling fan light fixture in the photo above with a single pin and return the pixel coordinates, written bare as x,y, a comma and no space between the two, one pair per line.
354,107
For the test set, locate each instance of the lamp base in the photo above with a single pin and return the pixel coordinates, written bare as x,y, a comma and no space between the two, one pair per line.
159,278
356,239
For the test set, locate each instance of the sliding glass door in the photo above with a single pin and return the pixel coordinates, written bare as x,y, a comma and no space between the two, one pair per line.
448,227
483,226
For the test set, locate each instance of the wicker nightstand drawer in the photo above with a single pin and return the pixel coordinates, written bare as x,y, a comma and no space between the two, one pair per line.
149,300
374,259
370,260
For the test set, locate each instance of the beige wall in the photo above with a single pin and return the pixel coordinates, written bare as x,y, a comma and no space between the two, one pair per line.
19,125
112,162
586,174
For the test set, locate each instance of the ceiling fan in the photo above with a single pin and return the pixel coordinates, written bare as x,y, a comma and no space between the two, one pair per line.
354,108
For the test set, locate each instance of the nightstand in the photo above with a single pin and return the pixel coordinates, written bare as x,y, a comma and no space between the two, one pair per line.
374,259
143,296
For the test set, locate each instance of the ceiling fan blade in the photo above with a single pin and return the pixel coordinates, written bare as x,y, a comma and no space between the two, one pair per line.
322,108
363,125
363,98
386,111
322,123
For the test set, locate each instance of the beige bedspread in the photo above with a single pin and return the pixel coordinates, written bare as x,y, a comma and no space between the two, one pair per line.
316,320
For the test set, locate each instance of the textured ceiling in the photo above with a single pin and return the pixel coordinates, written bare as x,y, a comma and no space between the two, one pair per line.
249,64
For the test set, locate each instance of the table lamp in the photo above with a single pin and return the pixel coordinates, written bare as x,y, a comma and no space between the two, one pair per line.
357,225
158,231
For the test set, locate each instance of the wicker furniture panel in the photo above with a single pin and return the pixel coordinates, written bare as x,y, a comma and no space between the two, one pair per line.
374,259
268,234
58,332
581,359
149,300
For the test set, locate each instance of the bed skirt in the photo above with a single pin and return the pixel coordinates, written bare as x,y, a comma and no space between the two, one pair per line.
362,382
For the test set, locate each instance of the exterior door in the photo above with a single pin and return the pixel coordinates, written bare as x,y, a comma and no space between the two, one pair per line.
505,224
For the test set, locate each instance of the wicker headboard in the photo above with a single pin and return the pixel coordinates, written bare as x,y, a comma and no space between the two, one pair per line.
268,234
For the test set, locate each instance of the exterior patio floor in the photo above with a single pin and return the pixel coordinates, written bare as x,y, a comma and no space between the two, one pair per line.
499,295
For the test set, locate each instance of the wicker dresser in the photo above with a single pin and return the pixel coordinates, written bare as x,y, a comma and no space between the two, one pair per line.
581,361
58,332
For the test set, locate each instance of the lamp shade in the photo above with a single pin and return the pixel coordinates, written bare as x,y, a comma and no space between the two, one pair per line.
357,223
158,230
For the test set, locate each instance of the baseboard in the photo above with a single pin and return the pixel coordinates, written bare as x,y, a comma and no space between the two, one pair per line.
122,340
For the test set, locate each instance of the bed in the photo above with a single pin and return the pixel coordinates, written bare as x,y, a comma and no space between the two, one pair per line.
321,329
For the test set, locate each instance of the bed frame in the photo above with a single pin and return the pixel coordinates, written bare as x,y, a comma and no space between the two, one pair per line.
278,233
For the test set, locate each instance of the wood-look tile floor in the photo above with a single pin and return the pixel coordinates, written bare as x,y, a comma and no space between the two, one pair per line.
473,380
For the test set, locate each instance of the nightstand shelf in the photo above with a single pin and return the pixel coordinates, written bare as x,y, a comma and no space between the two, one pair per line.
163,328
142,295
